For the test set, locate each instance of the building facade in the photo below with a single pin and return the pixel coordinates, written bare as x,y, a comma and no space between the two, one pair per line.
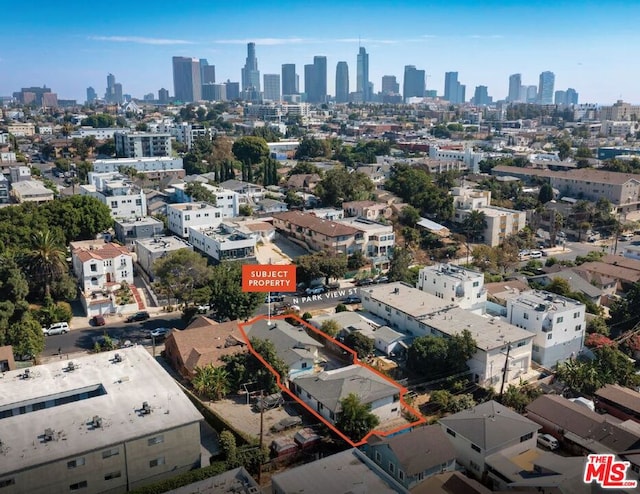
187,84
183,216
223,243
142,144
461,286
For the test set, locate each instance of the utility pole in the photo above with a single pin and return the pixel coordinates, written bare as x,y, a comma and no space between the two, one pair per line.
261,435
505,370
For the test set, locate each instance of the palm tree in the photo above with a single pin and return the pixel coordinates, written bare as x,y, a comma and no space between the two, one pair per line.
210,381
474,224
47,259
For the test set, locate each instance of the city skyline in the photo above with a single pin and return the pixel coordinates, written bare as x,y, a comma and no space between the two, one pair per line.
484,44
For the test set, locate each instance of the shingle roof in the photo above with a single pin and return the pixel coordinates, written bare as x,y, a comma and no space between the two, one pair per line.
489,425
324,227
581,174
103,251
622,396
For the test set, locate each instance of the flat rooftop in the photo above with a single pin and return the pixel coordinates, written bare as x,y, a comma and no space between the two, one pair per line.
163,244
365,224
140,221
452,271
545,301
66,401
193,206
405,298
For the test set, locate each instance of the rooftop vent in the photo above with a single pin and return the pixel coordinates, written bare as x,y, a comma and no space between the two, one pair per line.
96,422
70,367
117,358
146,408
27,374
48,435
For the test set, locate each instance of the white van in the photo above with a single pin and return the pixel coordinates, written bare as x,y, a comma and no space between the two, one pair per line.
548,441
625,237
56,328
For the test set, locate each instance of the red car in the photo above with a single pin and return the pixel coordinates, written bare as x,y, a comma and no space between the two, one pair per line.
98,321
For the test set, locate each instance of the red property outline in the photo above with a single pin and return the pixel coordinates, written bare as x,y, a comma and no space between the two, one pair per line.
356,361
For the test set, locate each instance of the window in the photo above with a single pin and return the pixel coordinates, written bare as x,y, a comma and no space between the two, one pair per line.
560,319
578,327
392,467
157,461
576,315
94,268
451,433
155,440
526,316
78,486
521,343
78,462
526,437
476,284
400,474
378,457
113,475
550,336
475,448
304,365
7,482
421,476
110,452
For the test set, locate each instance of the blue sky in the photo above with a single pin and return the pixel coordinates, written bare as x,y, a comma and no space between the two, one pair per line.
591,46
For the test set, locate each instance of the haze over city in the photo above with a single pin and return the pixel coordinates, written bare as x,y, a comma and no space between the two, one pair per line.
588,45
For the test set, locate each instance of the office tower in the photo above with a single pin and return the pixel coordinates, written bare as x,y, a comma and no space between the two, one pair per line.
186,79
91,95
113,93
214,92
560,98
289,85
545,88
148,97
315,80
481,96
250,72
342,82
515,81
572,96
309,82
431,93
272,87
532,94
207,72
50,100
163,96
454,92
119,97
362,74
233,90
390,85
414,83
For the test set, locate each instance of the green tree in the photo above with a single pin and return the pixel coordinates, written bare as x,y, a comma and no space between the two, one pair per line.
246,367
355,419
474,224
226,293
409,216
199,193
330,327
99,121
338,186
180,273
624,311
229,448
211,382
518,397
46,262
322,264
401,259
360,344
293,200
250,151
304,167
310,147
546,193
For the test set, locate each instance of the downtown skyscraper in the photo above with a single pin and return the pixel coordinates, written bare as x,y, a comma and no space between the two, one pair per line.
187,86
362,75
113,94
515,82
454,92
342,82
289,85
272,87
250,72
315,80
545,88
414,83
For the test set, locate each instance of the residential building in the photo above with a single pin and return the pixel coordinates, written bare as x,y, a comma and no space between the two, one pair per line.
485,430
105,422
613,274
324,392
375,240
247,192
131,229
342,82
203,342
413,83
515,82
19,174
20,129
362,74
621,128
462,286
292,345
7,361
181,217
413,456
31,191
99,134
224,242
123,199
149,250
271,206
99,265
303,181
348,471
227,200
616,112
467,156
557,322
152,167
272,87
250,72
545,88
4,189
417,313
142,144
618,401
369,210
237,480
187,85
577,284
289,85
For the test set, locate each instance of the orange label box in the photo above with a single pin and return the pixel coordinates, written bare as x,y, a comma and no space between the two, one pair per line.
268,278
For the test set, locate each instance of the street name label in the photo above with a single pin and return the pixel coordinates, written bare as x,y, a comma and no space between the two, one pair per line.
268,278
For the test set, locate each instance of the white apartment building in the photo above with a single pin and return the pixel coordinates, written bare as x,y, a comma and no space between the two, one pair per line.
149,250
610,128
117,192
417,313
501,222
99,133
470,158
98,265
9,157
461,286
141,165
104,422
558,324
187,215
228,200
223,243
142,144
377,239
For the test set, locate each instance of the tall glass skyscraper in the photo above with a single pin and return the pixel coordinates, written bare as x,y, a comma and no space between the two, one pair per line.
315,80
272,87
250,72
515,81
342,82
414,82
187,85
289,85
545,88
362,74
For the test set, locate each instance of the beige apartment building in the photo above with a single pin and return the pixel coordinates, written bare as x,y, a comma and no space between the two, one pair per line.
22,129
103,423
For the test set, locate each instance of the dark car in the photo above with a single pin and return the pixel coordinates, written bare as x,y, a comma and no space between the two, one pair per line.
382,279
98,321
143,315
352,299
364,282
276,297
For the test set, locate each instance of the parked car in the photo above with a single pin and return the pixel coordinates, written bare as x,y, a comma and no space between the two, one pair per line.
160,332
535,254
548,441
143,315
204,308
352,299
287,423
274,298
56,328
98,321
381,279
364,282
316,290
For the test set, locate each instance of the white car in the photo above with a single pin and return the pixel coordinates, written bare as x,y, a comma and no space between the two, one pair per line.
535,254
56,328
160,332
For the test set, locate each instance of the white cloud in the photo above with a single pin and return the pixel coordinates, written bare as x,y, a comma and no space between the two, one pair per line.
141,40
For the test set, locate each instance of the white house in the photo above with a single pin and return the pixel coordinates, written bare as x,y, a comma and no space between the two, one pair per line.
224,242
181,217
116,191
461,286
227,200
150,249
376,239
323,392
557,322
417,313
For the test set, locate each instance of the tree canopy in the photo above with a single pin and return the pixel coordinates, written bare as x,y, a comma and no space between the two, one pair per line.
227,297
355,419
320,264
441,356
180,273
338,186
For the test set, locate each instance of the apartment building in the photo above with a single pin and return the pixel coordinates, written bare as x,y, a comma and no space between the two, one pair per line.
142,144
369,210
105,422
98,265
610,128
181,217
467,156
228,200
224,242
153,167
130,229
150,249
417,313
118,193
376,240
463,287
19,129
31,191
558,324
